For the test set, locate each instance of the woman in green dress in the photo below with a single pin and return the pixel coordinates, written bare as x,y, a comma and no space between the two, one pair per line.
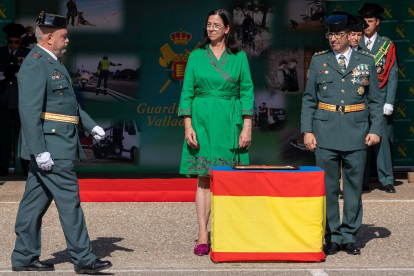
217,106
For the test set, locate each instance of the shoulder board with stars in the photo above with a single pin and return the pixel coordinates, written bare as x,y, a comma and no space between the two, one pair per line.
365,53
320,53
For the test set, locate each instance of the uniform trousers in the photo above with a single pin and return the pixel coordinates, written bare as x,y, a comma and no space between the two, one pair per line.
42,187
380,155
7,116
353,163
103,74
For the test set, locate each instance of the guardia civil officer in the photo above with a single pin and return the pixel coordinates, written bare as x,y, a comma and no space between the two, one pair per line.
11,57
103,72
50,116
383,50
334,120
356,33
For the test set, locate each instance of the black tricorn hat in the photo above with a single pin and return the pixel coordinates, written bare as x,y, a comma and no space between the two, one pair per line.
370,10
51,20
14,30
359,27
340,21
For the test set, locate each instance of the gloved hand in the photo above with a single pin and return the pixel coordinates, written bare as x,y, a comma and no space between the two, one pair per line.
97,71
44,161
119,64
98,133
388,109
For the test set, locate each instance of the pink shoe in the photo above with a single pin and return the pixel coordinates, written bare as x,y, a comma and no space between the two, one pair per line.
201,249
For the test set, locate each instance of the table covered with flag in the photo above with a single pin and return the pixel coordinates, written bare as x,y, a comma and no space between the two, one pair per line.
267,215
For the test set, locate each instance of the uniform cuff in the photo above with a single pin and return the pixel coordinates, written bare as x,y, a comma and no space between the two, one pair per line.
247,112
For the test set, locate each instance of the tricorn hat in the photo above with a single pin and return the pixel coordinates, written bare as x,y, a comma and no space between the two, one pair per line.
51,20
14,30
359,27
340,21
370,10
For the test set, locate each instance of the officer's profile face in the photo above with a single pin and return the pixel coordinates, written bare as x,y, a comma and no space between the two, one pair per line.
59,41
13,42
338,41
372,26
354,38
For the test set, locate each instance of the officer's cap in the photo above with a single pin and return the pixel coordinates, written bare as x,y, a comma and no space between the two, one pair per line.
14,30
359,27
340,21
51,20
371,10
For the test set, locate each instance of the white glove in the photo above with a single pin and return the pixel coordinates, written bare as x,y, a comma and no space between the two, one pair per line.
388,109
98,133
44,161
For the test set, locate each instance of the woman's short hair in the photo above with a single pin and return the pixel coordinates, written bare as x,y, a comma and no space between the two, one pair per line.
230,37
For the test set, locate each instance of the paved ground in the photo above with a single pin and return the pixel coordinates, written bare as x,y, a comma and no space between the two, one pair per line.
158,238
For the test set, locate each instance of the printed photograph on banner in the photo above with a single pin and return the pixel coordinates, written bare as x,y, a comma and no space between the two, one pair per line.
92,15
120,146
269,111
305,15
253,24
106,77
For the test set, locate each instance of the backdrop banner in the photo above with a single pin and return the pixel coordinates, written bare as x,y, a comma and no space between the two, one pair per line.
127,61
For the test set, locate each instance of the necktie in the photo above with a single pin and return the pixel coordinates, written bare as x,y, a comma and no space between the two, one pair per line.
11,55
369,44
341,62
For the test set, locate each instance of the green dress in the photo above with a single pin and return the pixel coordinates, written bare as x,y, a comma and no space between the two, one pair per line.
216,94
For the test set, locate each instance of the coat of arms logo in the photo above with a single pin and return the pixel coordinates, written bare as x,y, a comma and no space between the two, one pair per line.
175,63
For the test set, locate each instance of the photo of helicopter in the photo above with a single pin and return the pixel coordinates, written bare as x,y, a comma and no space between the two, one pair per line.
306,15
315,11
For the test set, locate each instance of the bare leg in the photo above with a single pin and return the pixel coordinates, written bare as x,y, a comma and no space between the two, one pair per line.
203,202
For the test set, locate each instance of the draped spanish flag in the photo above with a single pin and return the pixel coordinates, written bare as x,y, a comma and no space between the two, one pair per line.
267,215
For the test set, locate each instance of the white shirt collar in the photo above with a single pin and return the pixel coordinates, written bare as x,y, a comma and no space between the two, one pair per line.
14,52
373,38
49,52
347,55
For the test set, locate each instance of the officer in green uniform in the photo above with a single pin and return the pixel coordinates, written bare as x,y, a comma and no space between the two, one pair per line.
11,57
50,116
103,71
356,33
334,120
381,48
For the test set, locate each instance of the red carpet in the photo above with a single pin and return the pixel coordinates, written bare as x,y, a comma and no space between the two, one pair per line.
137,190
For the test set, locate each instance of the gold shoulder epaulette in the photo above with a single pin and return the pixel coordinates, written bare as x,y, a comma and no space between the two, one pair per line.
320,53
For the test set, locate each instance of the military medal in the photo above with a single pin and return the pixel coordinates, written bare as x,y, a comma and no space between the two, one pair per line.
324,65
324,88
57,76
326,71
320,72
53,77
361,91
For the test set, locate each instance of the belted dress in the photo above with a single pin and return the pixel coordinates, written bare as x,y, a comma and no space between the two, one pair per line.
216,94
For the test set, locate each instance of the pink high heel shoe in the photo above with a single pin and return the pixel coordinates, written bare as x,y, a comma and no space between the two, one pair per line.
201,249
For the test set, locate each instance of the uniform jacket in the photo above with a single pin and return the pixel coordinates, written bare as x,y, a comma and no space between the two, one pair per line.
328,84
45,86
9,97
389,90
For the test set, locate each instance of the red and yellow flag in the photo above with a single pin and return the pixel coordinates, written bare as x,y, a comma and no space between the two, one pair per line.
267,215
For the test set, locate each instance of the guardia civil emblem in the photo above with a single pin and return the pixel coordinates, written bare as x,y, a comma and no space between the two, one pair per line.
174,63
361,90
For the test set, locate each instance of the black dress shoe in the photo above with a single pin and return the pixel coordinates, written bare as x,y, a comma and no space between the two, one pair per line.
351,248
389,189
36,266
331,248
95,266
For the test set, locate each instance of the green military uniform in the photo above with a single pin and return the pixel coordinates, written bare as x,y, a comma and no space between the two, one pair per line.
341,136
382,152
46,86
